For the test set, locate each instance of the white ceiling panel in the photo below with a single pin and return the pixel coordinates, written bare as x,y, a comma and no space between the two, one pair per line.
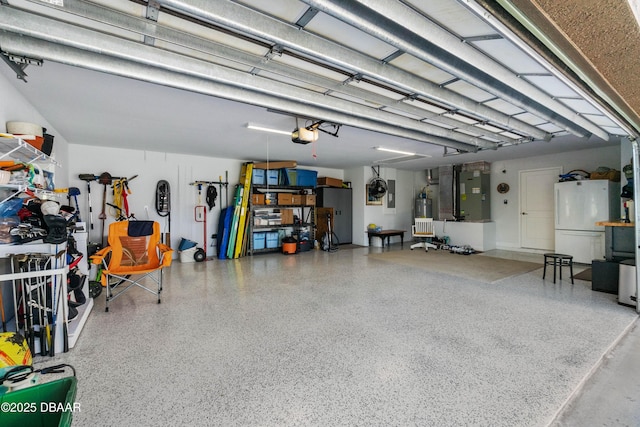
200,55
376,89
506,53
463,118
470,91
333,29
453,16
530,118
503,106
310,67
552,86
286,10
600,120
420,68
288,80
615,131
468,132
125,6
551,128
82,21
402,113
511,135
354,99
440,124
489,128
581,106
210,34
426,106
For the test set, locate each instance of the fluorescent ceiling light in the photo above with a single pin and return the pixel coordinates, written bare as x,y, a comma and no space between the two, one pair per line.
266,129
389,150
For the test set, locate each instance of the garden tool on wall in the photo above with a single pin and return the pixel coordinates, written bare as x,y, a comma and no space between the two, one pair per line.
104,179
163,207
120,192
88,178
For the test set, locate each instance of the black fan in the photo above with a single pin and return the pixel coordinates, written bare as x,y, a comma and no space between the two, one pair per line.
377,187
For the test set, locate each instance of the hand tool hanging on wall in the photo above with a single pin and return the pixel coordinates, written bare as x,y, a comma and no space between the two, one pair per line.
104,179
163,207
88,178
121,191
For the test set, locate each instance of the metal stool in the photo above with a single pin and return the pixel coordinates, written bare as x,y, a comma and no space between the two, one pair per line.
558,260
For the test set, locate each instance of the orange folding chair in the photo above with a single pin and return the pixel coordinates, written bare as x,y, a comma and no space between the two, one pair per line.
134,253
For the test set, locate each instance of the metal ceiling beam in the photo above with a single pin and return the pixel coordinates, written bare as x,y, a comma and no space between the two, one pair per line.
409,31
98,61
247,21
48,29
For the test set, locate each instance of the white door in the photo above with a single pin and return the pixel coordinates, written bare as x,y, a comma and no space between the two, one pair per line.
537,229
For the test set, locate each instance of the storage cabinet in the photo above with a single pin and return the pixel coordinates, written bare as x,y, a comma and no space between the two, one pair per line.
278,211
340,199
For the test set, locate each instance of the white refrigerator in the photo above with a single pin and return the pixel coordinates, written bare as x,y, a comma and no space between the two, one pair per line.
578,206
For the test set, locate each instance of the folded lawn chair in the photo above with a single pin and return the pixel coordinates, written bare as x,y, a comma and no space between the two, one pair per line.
134,251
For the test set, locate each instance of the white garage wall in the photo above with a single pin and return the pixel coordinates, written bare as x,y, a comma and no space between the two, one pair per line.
507,216
14,107
180,170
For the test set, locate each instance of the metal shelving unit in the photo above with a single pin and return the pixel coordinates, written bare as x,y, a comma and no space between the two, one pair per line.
310,209
19,150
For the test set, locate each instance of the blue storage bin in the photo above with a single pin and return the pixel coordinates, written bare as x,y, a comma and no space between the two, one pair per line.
306,178
259,177
259,241
288,176
272,239
272,176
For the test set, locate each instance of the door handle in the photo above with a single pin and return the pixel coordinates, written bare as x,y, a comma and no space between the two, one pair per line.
524,213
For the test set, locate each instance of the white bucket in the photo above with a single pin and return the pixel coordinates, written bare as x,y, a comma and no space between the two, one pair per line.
187,255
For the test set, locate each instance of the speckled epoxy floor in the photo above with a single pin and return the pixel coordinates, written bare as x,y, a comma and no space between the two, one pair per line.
336,339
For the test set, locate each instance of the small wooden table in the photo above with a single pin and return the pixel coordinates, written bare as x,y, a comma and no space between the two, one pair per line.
386,234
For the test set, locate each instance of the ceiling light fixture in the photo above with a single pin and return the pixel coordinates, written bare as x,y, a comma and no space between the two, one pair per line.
254,126
389,150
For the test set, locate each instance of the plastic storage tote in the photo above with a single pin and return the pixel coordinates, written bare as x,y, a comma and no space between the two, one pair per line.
259,177
259,241
272,240
306,178
272,176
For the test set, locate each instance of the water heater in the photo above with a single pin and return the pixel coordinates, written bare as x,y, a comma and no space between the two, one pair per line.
424,208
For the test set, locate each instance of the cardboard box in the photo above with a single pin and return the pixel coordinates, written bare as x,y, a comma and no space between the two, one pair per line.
296,199
330,182
285,199
309,199
286,216
257,199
